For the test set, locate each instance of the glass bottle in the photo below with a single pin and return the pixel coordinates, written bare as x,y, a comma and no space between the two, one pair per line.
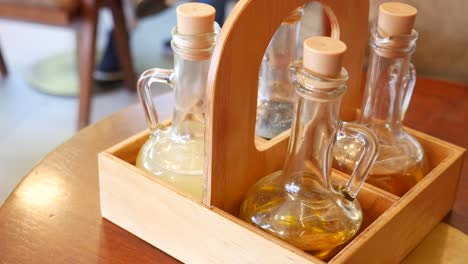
301,204
175,153
390,83
275,104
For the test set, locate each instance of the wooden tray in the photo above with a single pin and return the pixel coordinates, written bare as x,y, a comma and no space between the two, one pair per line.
196,233
209,232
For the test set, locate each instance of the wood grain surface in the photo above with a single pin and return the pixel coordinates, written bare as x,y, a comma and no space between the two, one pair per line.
53,214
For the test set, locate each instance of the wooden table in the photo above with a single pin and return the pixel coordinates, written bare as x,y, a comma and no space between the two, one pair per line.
53,214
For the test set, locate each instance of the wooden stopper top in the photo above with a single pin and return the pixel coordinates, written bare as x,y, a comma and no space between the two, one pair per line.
396,19
323,56
195,18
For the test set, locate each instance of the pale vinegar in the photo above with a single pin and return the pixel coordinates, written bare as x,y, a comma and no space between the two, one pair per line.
177,161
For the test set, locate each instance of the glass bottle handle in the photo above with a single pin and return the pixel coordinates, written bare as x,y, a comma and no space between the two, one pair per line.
369,153
408,86
144,91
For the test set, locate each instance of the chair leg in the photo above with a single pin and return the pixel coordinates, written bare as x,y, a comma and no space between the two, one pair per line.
3,67
122,41
86,59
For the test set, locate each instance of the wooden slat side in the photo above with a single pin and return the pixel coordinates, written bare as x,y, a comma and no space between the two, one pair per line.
183,228
260,140
435,149
266,235
409,220
267,144
444,145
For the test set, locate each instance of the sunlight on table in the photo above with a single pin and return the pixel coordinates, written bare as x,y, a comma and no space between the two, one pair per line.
445,244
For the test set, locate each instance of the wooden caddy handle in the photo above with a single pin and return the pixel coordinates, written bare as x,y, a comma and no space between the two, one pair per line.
232,162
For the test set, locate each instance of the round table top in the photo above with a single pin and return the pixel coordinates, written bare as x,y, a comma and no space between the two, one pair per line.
53,214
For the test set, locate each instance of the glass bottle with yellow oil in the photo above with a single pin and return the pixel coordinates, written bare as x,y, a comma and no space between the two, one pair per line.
175,153
301,204
390,83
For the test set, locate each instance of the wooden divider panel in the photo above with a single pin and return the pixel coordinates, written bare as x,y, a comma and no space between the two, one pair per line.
232,162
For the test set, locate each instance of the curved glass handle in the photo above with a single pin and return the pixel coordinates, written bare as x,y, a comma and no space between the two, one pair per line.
369,153
408,87
144,91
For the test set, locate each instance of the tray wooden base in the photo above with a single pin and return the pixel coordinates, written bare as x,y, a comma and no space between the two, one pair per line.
195,233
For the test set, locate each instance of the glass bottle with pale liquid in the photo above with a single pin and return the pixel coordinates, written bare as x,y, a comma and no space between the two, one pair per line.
301,204
275,104
390,82
175,153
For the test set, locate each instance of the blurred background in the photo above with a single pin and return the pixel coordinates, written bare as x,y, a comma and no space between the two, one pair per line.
40,41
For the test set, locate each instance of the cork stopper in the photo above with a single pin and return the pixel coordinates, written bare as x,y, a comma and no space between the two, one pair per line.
323,56
195,22
195,18
396,19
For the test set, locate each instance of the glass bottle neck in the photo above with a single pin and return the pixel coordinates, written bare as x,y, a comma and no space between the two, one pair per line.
192,55
190,79
314,129
390,80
